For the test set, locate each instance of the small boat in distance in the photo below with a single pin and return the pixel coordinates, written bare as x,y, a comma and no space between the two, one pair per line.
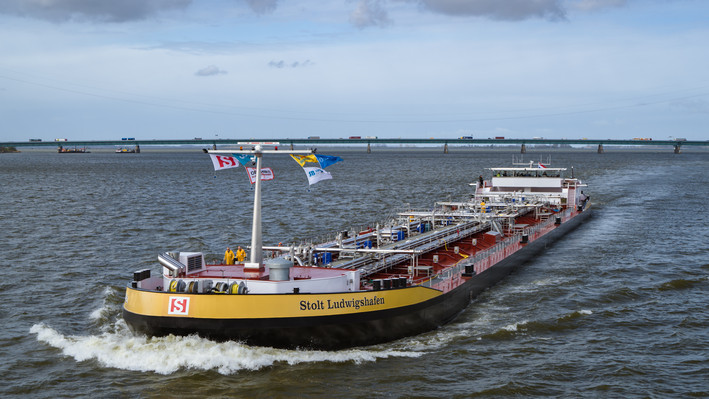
75,150
125,150
407,275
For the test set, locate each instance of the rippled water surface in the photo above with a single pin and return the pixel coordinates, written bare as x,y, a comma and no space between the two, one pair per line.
618,308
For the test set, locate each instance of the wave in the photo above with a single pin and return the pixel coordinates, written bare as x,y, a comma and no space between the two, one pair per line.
678,284
167,355
562,323
116,346
110,306
619,295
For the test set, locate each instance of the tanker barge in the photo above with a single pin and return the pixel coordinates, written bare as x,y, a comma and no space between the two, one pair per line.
404,276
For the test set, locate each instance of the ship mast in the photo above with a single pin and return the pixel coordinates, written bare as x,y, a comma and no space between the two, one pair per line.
256,234
256,237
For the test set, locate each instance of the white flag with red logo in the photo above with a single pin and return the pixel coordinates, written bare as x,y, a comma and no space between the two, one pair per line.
224,162
266,174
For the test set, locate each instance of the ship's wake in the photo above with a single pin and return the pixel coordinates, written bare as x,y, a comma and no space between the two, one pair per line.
115,346
166,355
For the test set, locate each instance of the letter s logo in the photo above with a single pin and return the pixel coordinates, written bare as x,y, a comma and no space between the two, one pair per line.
178,305
226,161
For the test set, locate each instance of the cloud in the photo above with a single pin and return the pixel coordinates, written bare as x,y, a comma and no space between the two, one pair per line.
373,12
283,64
507,10
369,13
262,6
211,70
90,10
594,5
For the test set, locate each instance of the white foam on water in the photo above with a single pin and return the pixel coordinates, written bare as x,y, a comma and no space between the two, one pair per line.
166,355
117,347
531,287
585,311
514,327
550,281
105,310
97,314
428,342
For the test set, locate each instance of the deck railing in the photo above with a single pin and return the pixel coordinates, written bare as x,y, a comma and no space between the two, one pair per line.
488,257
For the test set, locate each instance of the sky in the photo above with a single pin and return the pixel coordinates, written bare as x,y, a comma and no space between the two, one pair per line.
268,69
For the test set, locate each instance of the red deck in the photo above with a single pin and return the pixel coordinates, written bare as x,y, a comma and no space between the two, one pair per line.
447,256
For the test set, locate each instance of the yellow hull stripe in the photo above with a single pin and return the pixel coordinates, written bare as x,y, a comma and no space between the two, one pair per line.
260,306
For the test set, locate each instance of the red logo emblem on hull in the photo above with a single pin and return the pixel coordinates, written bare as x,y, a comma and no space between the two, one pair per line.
178,305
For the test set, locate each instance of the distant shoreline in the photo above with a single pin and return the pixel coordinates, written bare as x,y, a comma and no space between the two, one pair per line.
376,148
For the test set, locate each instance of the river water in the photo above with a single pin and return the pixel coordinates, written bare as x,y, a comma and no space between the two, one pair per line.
618,308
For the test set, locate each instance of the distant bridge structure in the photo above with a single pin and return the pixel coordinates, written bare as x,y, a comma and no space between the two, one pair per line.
676,145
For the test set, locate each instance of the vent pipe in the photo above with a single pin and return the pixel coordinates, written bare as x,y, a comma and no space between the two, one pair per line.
175,266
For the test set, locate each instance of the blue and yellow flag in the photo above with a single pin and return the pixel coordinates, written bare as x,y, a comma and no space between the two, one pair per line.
327,160
323,160
303,159
316,173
